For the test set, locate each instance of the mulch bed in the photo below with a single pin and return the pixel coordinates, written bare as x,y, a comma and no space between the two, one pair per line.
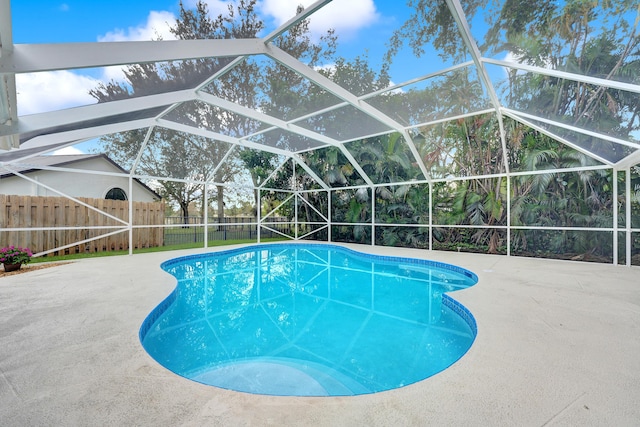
30,267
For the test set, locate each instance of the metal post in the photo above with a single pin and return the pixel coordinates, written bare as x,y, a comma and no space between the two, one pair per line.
131,215
258,213
296,196
430,215
206,215
373,216
508,215
615,215
628,215
329,227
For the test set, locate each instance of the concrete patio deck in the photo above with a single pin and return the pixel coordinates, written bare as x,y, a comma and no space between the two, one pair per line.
558,344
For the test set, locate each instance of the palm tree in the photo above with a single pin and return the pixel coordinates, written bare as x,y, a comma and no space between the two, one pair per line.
560,199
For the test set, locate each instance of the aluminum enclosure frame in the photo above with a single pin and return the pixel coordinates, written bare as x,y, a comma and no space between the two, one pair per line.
23,137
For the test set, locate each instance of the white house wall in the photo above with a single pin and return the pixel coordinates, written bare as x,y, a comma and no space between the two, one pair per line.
76,185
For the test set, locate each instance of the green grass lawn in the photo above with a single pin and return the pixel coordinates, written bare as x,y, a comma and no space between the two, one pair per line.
212,243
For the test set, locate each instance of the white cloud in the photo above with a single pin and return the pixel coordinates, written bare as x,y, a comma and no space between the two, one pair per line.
115,72
67,150
345,17
511,57
157,25
216,7
50,91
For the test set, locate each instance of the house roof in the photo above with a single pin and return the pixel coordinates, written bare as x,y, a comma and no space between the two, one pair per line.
34,164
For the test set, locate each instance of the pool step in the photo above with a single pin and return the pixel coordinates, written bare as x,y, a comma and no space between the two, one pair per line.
282,377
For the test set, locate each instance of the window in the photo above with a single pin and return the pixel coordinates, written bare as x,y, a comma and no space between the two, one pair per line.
116,194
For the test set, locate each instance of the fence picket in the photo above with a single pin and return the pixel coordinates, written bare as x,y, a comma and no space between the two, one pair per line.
38,211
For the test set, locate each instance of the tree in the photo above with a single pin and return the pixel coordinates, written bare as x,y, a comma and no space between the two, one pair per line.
260,165
560,199
286,94
194,158
168,153
431,22
597,39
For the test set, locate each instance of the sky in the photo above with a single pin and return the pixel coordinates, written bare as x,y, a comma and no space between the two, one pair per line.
46,21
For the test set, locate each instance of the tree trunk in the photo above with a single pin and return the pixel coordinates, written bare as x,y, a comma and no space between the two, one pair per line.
185,212
256,203
494,242
307,212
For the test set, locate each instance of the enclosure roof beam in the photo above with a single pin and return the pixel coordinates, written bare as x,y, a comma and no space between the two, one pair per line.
613,84
337,90
295,20
292,63
86,133
221,72
257,115
295,159
575,129
87,113
310,171
8,98
232,148
6,35
31,58
631,160
220,137
254,114
416,154
424,77
459,16
465,32
8,111
143,146
552,135
273,173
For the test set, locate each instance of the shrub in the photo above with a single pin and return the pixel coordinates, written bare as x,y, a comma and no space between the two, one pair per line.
14,255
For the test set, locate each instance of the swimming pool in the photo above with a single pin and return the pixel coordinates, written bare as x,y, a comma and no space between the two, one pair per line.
309,320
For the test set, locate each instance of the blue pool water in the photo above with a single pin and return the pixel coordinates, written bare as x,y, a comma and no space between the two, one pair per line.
309,320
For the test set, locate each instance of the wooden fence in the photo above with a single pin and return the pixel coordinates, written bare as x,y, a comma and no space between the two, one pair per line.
42,212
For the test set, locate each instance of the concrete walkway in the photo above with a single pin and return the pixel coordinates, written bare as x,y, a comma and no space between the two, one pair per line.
558,344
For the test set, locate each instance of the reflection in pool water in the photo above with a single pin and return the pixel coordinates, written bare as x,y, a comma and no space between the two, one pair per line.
309,319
